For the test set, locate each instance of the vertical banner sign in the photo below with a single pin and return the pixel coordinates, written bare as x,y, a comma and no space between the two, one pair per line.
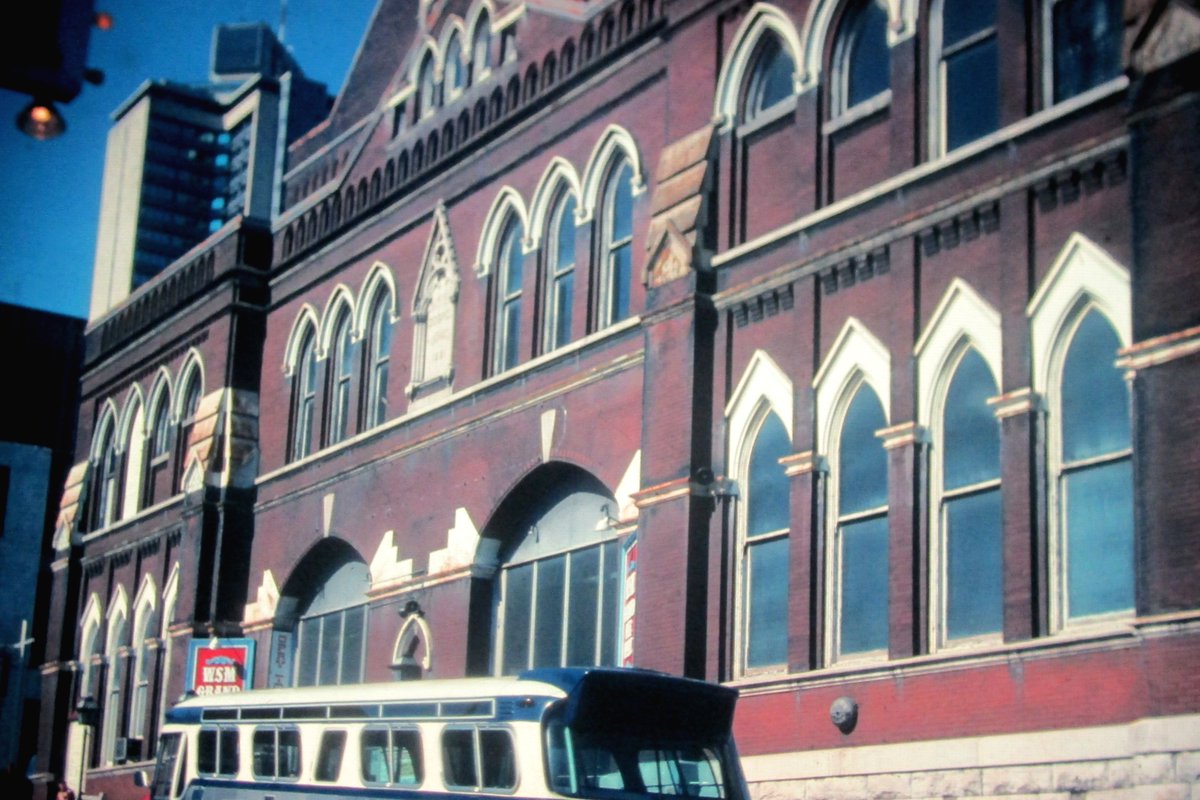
279,663
629,602
220,666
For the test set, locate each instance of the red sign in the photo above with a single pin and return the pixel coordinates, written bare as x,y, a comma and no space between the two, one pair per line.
221,666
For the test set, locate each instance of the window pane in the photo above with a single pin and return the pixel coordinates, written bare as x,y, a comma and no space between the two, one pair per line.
564,253
518,609
289,753
1095,401
862,482
458,757
1087,45
206,752
975,594
329,756
407,768
622,205
622,274
767,595
962,18
514,261
971,440
352,644
611,604
584,604
867,55
373,751
564,292
512,334
228,762
972,93
499,767
331,647
771,81
1099,520
767,500
548,619
864,602
309,648
264,753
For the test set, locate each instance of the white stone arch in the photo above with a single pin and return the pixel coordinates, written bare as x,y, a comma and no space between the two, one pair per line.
341,298
1082,277
818,30
962,319
91,623
559,177
160,391
763,387
113,704
428,47
507,202
856,357
306,319
614,143
145,602
474,15
107,419
142,633
763,19
379,279
453,26
191,362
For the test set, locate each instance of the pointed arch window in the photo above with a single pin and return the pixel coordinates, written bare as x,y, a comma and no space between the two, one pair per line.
454,75
967,72
340,375
481,48
106,497
771,80
861,535
304,395
971,572
766,547
1083,45
1094,475
379,350
426,88
560,278
142,667
193,389
159,446
861,60
617,244
114,689
510,267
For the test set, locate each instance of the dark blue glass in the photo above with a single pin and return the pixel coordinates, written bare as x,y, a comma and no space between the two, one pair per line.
766,626
548,619
963,18
583,604
867,59
771,80
975,595
767,491
971,434
518,611
1099,519
862,479
864,601
1095,400
972,93
514,260
1087,45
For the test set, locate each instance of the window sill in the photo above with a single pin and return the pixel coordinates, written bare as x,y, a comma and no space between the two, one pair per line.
767,117
856,114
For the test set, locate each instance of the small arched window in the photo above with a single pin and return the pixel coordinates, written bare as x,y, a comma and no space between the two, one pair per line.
454,75
379,349
966,72
304,396
481,48
192,392
510,268
1095,475
861,539
107,468
862,60
1084,45
340,374
617,243
771,78
766,547
426,88
160,449
560,277
142,665
971,572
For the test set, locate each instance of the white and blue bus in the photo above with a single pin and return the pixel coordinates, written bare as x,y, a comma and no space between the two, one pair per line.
581,733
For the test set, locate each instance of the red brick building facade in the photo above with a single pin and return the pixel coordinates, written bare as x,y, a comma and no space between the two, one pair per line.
838,350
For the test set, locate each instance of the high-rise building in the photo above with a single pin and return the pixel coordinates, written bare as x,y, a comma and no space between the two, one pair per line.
182,161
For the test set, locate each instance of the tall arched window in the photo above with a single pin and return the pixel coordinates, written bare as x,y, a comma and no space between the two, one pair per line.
771,80
972,596
142,666
481,48
114,686
107,471
192,391
341,371
617,243
966,72
766,547
304,395
426,88
159,447
1094,475
379,350
560,274
332,627
454,75
861,537
1083,47
510,268
862,60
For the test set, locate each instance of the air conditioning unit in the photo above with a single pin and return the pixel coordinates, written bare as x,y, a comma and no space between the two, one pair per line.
127,749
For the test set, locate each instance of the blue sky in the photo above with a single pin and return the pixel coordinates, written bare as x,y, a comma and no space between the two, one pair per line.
50,192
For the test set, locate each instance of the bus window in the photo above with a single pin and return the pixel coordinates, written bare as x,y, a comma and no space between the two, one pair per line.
276,752
217,752
469,753
329,756
391,755
164,768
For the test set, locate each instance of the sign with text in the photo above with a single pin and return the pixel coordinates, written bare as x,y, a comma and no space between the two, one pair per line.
279,665
220,666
